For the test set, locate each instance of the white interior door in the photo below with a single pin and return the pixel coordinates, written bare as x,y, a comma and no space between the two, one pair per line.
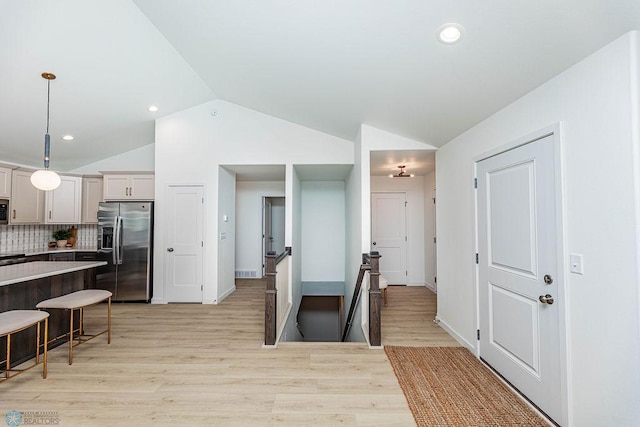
389,235
184,239
519,321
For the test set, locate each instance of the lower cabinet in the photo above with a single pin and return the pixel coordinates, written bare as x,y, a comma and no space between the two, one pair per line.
63,256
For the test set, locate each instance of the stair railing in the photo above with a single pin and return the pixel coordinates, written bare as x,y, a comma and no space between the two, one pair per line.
271,317
370,263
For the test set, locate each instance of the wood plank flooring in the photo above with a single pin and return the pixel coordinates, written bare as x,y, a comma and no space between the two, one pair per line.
191,364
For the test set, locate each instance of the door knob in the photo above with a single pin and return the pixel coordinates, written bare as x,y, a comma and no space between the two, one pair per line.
171,250
546,299
374,243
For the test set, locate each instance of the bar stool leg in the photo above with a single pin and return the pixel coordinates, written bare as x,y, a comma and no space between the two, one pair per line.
109,321
38,343
8,364
46,342
81,327
70,336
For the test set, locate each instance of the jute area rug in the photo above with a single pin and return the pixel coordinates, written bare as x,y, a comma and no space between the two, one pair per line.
448,386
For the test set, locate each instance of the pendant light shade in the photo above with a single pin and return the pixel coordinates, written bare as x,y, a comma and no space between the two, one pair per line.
45,179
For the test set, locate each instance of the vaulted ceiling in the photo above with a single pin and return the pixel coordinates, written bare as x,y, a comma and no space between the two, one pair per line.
327,65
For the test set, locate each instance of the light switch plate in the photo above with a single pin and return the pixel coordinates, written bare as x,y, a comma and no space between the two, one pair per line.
576,263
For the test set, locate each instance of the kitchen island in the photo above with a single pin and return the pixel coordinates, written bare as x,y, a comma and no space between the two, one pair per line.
22,286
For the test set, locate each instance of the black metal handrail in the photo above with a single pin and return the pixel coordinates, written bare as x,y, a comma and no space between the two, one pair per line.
365,266
284,254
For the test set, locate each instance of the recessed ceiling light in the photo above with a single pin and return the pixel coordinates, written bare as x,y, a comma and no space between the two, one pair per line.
450,33
68,137
153,108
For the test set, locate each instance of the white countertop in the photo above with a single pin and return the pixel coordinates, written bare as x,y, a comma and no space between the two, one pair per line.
29,252
10,274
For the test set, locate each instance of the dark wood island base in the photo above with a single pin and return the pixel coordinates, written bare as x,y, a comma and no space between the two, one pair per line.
24,295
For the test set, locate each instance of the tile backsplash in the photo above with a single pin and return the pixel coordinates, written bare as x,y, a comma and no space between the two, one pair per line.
18,238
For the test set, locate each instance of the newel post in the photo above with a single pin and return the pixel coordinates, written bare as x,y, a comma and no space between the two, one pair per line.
375,337
270,300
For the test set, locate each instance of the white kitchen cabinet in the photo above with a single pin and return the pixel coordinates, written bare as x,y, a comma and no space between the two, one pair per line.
5,182
129,187
63,204
27,202
91,198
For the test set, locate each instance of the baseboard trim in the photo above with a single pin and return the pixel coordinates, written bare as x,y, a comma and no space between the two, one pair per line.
226,294
444,325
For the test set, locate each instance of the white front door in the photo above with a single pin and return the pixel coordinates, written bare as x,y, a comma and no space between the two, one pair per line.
184,244
517,239
389,235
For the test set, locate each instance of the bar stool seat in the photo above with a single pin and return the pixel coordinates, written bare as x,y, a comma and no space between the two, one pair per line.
18,320
79,300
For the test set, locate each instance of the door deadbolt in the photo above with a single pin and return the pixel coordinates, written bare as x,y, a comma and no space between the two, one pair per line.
374,243
548,279
169,249
546,299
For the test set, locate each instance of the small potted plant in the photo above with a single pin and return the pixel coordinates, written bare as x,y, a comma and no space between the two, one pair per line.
61,237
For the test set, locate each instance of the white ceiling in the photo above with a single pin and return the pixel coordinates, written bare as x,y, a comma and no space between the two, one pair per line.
327,65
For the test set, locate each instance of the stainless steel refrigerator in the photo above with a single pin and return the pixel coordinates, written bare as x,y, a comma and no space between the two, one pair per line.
125,241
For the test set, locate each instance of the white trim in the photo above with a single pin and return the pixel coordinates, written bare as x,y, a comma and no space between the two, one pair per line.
284,324
635,143
431,287
554,130
444,325
365,332
226,294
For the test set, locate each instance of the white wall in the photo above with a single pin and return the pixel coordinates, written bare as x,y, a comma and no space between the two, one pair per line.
414,190
249,196
353,236
596,102
430,271
323,231
192,143
294,239
226,219
140,159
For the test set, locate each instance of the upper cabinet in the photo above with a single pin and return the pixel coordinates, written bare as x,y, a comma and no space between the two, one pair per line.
91,198
63,204
129,187
5,182
27,202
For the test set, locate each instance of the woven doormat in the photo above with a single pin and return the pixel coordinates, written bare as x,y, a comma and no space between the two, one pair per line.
448,386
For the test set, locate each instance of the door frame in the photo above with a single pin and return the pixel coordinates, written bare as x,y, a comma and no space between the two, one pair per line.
562,258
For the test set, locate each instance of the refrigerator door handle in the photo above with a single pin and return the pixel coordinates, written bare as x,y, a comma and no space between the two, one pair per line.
119,240
115,242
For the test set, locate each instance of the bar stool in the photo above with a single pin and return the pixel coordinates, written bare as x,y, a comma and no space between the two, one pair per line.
79,300
18,320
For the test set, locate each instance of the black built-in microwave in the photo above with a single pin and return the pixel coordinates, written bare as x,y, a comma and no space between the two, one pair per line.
4,211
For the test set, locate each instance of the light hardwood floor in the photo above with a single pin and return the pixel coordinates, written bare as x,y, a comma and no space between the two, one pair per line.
183,364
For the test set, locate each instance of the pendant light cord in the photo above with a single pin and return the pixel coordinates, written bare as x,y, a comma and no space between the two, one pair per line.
48,97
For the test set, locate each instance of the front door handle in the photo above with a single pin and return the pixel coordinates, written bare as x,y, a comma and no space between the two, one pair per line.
169,249
546,299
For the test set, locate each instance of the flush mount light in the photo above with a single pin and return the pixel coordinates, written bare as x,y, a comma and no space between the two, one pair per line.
449,33
402,173
68,137
153,108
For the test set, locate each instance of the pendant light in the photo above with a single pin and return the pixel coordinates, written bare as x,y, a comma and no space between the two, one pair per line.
45,179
